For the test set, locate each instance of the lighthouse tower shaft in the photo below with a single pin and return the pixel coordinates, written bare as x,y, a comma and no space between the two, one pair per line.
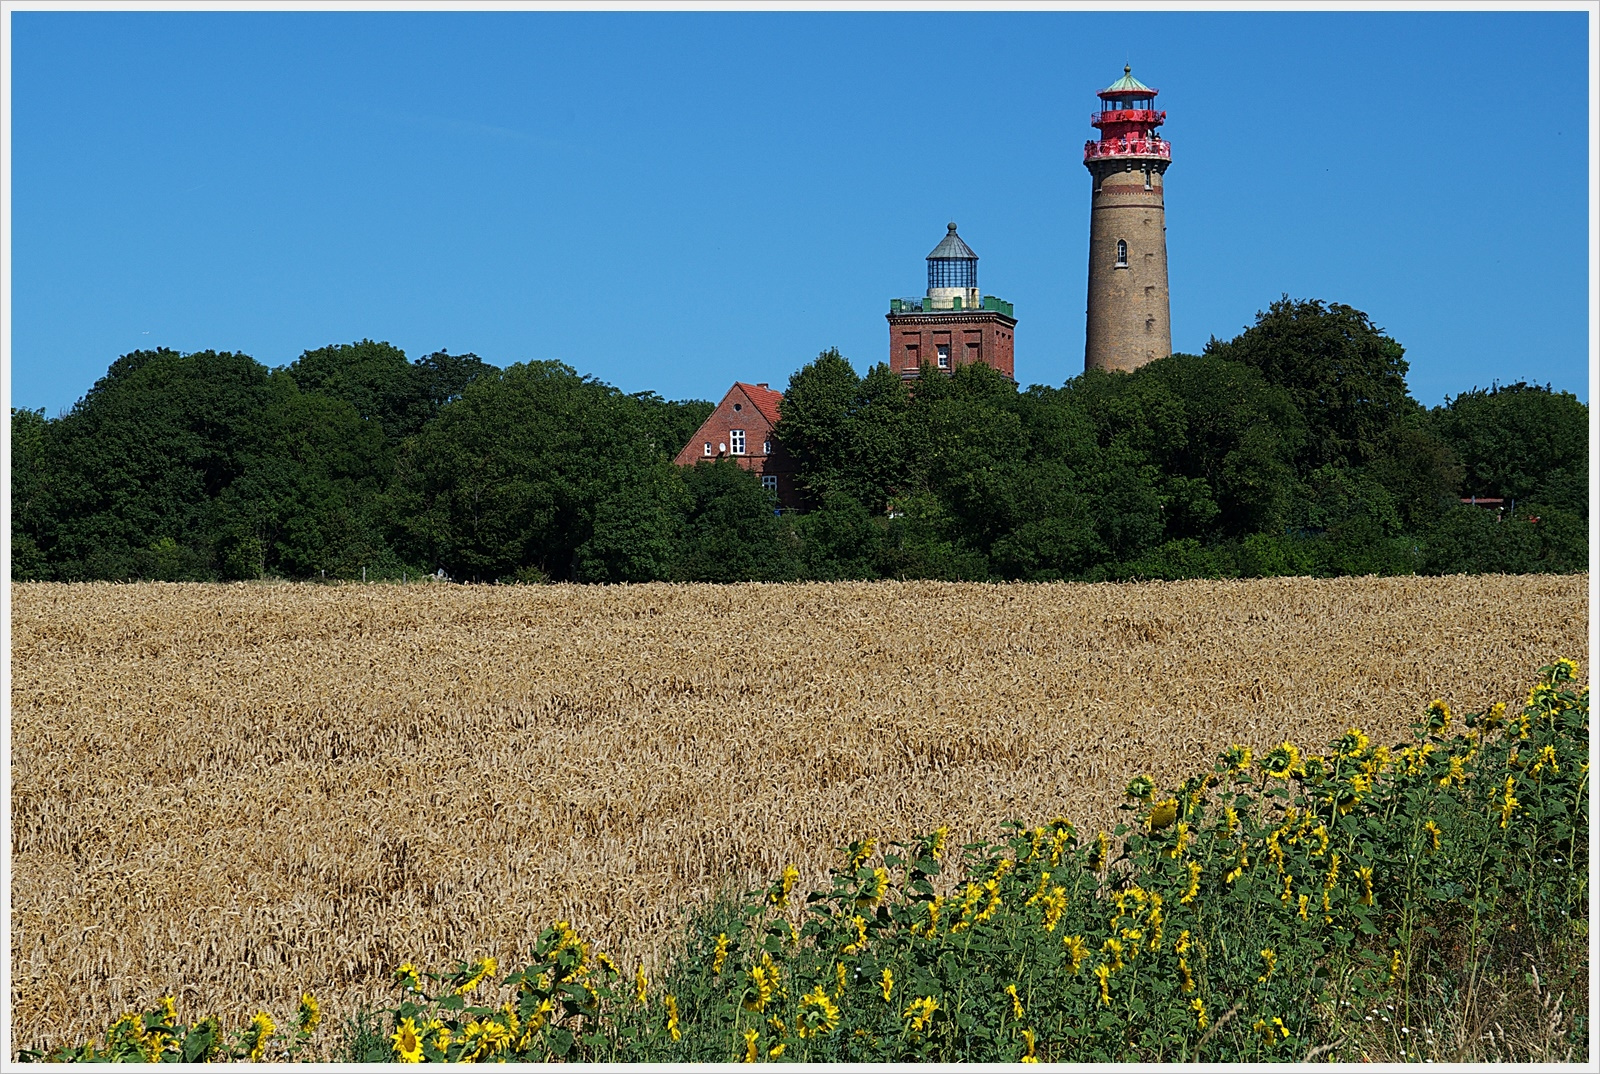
1129,320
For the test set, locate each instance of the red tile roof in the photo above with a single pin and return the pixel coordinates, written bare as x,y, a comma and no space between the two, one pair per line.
765,399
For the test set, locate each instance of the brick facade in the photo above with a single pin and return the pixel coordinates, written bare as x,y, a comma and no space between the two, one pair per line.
1129,316
969,336
740,428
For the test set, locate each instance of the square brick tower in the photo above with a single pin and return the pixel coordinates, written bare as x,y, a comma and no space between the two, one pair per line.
951,325
1129,314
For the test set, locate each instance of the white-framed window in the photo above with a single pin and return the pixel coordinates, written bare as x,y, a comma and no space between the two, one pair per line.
1122,253
708,447
766,447
736,441
944,356
769,482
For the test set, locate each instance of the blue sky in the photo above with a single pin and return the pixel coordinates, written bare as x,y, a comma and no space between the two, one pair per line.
672,201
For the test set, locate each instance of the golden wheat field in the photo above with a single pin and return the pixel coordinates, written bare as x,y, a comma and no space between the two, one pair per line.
231,793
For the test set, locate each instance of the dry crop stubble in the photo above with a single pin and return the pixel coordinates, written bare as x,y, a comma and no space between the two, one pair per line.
231,793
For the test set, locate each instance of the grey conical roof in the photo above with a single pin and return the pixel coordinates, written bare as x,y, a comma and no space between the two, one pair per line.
951,248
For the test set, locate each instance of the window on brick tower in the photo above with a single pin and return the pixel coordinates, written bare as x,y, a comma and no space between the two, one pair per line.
944,356
973,352
736,441
1122,254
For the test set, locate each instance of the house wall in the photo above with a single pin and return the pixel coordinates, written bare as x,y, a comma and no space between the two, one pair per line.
740,409
972,335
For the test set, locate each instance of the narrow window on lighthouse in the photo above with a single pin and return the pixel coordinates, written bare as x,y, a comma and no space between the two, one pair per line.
1122,254
1147,178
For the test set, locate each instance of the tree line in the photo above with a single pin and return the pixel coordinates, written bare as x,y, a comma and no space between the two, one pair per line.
1293,448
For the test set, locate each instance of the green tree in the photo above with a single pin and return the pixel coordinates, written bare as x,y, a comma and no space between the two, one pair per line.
638,528
374,378
510,476
144,453
1345,377
1520,441
672,422
32,509
815,424
841,540
383,386
733,531
308,503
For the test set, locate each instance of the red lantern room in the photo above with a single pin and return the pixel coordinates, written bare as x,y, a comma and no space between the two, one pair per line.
1127,122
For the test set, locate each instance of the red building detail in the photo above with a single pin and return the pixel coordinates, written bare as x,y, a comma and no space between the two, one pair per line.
952,324
740,428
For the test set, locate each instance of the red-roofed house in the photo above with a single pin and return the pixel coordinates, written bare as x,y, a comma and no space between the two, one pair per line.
741,429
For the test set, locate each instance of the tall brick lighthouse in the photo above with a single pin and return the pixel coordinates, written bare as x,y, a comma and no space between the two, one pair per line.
1129,322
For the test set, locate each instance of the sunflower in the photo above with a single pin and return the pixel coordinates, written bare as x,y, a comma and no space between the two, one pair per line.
1163,814
261,1028
1237,760
1509,803
779,895
763,982
1281,761
721,954
1102,850
671,1003
1102,976
1353,743
1364,874
407,1045
1438,715
818,1013
1272,1031
920,1012
1077,951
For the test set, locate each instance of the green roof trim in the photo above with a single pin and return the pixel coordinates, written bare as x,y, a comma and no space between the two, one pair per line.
1126,83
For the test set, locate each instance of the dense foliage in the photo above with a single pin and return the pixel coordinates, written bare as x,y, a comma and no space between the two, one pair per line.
1294,448
1368,901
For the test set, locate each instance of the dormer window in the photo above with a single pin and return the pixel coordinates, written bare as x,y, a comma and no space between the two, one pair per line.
1122,254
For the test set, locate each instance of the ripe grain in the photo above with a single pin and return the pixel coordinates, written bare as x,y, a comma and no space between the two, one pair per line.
232,793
